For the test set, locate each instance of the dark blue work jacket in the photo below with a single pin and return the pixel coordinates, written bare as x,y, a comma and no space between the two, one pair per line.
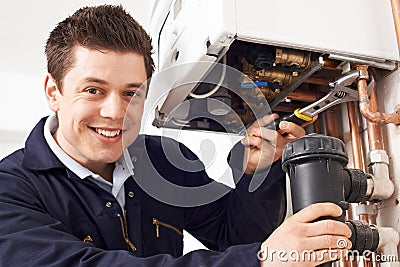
51,217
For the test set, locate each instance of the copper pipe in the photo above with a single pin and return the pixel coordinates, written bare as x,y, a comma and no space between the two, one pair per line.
350,215
368,262
319,123
396,19
330,64
332,125
364,217
317,80
375,139
357,157
286,107
317,126
358,162
303,95
365,104
345,263
355,137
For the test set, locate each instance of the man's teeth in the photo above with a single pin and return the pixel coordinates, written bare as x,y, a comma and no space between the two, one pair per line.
107,133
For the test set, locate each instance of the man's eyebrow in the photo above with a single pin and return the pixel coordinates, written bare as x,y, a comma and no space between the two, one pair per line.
134,85
93,80
100,81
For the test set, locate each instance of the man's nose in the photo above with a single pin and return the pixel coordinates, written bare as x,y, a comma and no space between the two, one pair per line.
113,107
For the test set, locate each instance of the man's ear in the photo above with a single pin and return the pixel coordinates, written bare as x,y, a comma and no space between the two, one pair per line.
52,93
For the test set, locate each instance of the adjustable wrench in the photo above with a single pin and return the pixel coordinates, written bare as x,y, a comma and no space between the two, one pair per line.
339,93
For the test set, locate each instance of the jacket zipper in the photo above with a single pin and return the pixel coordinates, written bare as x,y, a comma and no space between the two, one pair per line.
124,227
157,224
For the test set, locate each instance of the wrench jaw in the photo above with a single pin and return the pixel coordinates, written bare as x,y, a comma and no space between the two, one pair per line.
347,78
339,93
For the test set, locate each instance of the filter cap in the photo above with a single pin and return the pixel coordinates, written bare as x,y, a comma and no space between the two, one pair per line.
317,145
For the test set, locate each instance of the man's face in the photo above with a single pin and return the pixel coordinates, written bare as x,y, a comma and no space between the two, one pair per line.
92,108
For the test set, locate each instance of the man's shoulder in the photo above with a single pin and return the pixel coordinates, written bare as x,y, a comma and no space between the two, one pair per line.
13,160
12,170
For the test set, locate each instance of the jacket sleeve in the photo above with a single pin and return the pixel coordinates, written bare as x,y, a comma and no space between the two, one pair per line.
241,217
29,236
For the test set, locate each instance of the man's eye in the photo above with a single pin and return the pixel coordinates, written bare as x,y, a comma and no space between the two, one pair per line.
92,91
132,93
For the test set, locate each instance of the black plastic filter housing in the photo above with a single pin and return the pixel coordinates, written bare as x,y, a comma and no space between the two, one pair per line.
315,166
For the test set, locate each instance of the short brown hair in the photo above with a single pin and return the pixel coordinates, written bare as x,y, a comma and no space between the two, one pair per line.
102,27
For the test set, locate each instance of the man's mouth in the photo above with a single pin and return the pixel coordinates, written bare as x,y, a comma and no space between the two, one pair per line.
107,133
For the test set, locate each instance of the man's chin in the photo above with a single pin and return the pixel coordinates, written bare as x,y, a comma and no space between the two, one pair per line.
107,157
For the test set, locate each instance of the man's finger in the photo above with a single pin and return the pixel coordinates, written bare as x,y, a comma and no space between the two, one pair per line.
252,141
258,142
327,242
266,134
292,129
325,227
265,120
317,210
310,122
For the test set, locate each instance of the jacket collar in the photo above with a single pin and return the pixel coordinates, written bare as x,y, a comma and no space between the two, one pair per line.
38,155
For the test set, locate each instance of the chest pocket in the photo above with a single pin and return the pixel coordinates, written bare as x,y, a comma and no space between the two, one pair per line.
157,223
162,236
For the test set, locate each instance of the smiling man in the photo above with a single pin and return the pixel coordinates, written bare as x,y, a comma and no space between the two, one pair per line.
92,104
69,199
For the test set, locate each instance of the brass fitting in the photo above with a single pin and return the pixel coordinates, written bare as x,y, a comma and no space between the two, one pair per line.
291,57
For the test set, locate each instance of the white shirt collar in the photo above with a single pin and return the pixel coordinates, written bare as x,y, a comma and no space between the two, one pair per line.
121,169
50,127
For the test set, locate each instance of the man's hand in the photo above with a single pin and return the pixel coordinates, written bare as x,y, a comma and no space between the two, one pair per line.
323,240
265,146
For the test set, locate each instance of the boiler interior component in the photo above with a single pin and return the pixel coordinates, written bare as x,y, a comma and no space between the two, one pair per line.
280,59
